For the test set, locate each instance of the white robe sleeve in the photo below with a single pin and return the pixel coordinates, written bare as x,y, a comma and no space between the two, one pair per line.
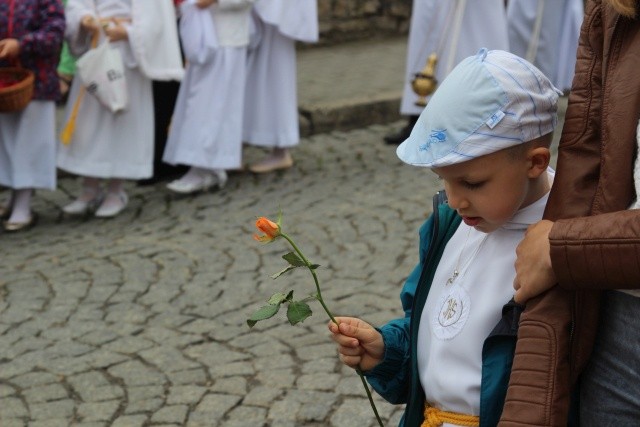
78,39
154,39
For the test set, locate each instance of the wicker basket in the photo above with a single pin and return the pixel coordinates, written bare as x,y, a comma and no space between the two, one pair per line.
15,96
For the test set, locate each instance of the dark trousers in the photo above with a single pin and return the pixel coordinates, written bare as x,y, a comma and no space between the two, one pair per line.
165,94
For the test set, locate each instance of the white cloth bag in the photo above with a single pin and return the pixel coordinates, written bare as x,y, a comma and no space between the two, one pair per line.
197,33
102,73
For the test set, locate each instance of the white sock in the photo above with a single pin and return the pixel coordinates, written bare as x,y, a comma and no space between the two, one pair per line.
21,211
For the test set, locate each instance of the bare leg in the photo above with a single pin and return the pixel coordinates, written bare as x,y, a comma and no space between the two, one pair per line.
279,158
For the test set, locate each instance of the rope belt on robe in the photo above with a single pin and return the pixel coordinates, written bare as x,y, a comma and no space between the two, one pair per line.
434,417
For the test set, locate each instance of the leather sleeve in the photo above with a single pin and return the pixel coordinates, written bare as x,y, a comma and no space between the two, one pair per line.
598,252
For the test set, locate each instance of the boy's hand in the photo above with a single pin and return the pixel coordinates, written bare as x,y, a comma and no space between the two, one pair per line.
202,4
534,273
89,24
9,48
359,344
115,31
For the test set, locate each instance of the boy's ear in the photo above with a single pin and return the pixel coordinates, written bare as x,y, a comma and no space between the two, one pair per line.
539,158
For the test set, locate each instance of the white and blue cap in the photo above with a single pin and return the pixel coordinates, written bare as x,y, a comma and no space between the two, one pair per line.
490,101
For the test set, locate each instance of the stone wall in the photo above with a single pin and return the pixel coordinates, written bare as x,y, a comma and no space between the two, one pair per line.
347,20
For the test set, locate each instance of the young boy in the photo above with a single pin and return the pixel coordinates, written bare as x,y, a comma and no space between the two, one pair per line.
486,133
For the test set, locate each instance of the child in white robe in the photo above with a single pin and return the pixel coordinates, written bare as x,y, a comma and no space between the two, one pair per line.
452,30
486,133
118,146
206,129
27,137
271,102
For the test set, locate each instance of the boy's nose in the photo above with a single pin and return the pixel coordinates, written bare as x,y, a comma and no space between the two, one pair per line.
456,201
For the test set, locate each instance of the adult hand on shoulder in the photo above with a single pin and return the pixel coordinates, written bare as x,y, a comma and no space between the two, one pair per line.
9,48
534,273
202,4
360,345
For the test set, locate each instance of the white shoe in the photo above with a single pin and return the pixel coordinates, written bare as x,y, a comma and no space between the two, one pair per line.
81,207
112,205
205,181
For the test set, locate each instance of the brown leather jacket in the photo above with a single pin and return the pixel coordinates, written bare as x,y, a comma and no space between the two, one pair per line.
595,241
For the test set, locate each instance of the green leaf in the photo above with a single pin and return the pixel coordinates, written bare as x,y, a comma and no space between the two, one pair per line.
298,311
280,273
263,313
278,298
293,259
314,266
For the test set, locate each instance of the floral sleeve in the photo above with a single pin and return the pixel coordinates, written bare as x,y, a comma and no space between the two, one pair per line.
46,40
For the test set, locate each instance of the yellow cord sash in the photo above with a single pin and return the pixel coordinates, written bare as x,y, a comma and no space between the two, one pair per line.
434,417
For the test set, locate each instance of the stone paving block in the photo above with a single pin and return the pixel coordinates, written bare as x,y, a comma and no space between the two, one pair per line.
98,411
57,409
135,373
284,410
167,359
31,379
45,393
136,393
278,378
216,405
188,377
126,312
245,415
185,394
354,412
233,385
161,334
130,421
262,396
60,422
143,406
214,354
6,391
319,381
100,358
66,365
12,407
172,414
129,345
319,351
203,419
231,369
91,424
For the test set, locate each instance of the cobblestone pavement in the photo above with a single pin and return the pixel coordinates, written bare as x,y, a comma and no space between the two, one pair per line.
140,320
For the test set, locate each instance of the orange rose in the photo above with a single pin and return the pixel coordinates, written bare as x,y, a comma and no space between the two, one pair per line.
270,229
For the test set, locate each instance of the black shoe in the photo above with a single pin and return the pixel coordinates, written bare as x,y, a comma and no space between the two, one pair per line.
399,137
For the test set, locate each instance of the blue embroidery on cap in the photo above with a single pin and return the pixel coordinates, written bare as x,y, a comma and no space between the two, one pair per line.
436,136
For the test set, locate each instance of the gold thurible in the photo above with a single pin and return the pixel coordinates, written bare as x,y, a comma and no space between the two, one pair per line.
424,83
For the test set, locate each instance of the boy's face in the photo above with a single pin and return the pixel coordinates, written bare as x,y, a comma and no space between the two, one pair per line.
488,190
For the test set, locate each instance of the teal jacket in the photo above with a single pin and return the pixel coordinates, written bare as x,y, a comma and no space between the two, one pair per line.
396,378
